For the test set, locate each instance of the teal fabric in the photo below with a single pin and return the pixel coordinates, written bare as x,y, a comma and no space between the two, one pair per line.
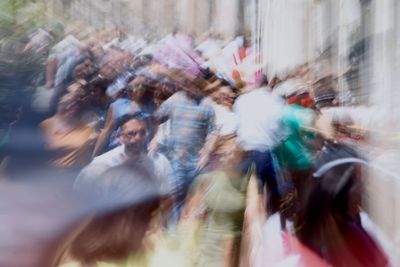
293,153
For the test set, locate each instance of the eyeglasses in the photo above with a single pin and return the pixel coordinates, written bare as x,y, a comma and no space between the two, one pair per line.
132,134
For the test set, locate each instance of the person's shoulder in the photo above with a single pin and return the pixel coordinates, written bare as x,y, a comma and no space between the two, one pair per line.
47,124
159,159
262,91
120,101
249,94
208,101
243,98
208,105
111,157
179,94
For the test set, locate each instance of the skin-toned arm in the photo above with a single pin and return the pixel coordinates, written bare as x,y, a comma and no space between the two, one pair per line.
207,149
210,142
153,146
105,134
161,115
51,70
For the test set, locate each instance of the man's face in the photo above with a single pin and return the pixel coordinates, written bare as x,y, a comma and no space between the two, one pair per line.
133,134
84,69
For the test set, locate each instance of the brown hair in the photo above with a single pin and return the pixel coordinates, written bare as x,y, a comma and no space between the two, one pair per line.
112,236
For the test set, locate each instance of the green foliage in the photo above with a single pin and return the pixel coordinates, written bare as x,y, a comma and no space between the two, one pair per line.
18,70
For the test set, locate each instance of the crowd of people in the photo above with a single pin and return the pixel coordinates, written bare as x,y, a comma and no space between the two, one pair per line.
160,140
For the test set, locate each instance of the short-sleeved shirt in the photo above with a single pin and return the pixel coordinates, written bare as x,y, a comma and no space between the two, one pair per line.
191,121
259,114
292,152
156,164
124,106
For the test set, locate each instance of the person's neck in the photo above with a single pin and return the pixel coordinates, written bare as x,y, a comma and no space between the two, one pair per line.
195,98
134,156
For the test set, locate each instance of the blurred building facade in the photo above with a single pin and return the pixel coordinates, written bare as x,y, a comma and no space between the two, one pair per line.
155,19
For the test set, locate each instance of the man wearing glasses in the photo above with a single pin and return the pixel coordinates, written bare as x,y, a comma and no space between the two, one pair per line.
133,153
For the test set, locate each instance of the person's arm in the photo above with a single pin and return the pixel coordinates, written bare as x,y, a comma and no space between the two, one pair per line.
161,115
164,111
207,149
51,70
211,140
153,146
105,134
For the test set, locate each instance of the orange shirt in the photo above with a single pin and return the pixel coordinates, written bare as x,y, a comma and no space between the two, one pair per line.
75,146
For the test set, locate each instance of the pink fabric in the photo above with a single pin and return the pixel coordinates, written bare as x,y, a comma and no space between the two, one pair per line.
280,249
292,246
176,51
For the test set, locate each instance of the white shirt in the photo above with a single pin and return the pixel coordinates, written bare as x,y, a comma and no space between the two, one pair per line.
226,121
157,164
259,114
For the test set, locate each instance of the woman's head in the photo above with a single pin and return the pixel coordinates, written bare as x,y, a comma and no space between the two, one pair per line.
85,67
140,90
113,63
334,191
225,96
334,184
114,236
126,197
329,218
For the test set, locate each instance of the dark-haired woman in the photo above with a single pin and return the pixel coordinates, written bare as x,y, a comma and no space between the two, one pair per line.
124,201
328,229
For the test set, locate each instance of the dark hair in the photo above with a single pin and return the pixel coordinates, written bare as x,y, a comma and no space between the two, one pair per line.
98,82
225,82
326,198
143,60
330,186
113,236
208,74
139,116
148,92
88,55
264,79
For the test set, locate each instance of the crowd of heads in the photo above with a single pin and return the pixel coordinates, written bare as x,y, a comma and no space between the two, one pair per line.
88,71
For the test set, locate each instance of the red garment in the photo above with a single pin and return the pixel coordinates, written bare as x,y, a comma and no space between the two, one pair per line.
303,99
362,248
283,249
294,247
